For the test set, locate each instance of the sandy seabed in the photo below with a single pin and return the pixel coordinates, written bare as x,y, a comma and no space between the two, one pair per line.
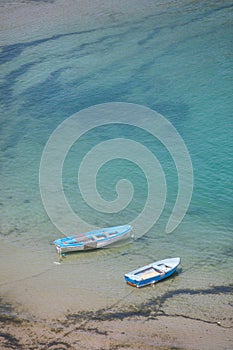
161,317
26,20
23,21
161,333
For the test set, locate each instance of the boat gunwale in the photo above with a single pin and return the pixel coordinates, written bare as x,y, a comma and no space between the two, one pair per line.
120,230
138,281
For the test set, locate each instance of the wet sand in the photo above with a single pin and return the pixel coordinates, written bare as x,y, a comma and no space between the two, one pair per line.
171,315
161,322
108,331
146,327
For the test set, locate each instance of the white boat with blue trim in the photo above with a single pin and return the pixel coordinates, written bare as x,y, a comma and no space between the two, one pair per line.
152,273
93,239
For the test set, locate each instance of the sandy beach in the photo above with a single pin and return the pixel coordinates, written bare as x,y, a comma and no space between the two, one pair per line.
107,332
53,317
148,325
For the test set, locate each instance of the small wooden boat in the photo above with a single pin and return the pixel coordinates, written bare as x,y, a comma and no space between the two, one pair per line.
93,239
152,273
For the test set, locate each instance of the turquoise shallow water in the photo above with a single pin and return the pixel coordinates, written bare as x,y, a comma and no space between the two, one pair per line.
177,62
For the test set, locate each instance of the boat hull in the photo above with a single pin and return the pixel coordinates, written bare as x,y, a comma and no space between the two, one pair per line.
152,273
93,239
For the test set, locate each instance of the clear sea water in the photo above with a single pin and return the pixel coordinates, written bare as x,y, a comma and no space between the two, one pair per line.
177,60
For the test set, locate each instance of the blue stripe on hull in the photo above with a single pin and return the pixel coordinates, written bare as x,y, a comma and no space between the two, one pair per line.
93,239
152,280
